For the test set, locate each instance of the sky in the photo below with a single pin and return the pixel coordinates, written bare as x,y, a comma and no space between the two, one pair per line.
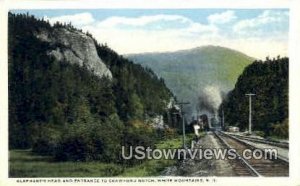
256,32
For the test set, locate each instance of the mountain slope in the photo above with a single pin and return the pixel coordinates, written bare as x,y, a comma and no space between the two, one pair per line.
268,80
73,98
189,72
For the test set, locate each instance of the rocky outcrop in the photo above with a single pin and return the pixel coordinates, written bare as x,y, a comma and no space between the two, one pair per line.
74,47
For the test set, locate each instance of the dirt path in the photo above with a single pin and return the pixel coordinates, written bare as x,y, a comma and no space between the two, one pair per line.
201,167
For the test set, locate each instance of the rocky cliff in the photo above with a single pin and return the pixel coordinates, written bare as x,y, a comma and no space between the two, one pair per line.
74,47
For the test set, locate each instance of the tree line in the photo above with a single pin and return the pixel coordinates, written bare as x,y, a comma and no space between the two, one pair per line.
64,110
268,80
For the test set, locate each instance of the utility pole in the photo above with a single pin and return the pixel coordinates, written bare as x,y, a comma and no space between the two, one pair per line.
183,124
250,111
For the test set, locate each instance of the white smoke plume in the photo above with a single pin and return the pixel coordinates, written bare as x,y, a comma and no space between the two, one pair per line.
210,99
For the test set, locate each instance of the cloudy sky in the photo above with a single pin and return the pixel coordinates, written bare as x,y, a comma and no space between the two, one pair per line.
256,32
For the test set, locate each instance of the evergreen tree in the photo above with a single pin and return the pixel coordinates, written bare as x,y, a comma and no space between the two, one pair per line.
269,81
62,109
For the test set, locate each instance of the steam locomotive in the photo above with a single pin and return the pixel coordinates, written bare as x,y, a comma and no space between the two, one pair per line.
206,123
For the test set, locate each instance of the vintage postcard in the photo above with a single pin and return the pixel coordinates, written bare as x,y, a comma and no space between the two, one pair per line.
168,94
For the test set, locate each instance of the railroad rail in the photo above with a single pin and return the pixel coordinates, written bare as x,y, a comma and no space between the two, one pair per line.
268,142
252,167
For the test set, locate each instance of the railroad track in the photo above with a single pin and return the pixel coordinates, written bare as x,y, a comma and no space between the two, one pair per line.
268,142
252,167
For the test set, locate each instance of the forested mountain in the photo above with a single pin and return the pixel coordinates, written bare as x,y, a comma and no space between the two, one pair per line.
189,72
76,105
268,80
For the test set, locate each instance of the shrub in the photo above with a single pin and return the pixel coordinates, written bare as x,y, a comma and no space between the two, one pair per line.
136,134
93,140
46,139
170,133
281,129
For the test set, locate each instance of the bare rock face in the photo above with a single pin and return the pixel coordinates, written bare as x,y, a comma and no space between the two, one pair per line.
76,48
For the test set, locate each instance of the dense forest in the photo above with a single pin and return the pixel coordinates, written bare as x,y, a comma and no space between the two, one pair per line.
64,110
268,80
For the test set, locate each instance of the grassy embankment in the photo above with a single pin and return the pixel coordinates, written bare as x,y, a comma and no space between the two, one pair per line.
23,163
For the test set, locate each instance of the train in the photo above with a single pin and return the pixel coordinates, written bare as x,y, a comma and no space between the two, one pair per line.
206,123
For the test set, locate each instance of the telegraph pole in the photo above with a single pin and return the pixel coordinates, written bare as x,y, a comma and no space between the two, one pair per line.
250,111
183,124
